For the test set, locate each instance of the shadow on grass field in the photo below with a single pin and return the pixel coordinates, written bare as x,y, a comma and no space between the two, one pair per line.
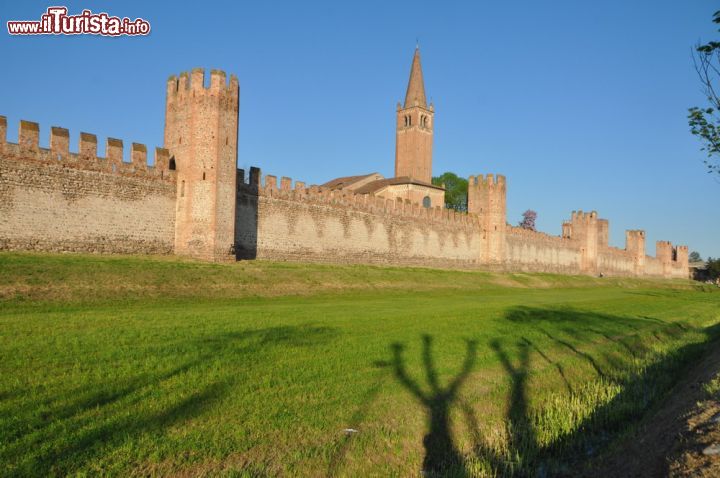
567,454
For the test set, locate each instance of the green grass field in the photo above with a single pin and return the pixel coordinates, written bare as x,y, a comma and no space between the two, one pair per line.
137,366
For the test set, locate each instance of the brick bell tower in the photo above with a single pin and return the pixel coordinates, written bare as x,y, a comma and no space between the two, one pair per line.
414,130
201,131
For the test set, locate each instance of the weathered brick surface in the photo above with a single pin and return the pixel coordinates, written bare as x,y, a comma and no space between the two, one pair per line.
322,225
319,226
201,127
531,251
71,204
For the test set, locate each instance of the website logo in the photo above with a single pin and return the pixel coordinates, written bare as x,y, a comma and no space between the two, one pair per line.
56,21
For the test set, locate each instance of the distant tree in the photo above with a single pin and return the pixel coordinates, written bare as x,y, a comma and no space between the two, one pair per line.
705,122
456,190
713,268
694,257
528,221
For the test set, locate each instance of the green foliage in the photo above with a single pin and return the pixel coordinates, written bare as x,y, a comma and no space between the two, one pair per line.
705,121
694,257
712,388
124,366
456,190
713,268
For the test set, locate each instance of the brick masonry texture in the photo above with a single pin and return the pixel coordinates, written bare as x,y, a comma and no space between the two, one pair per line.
322,226
54,201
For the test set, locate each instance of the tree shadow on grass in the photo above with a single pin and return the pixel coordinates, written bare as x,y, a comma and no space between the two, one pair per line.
566,453
72,434
441,454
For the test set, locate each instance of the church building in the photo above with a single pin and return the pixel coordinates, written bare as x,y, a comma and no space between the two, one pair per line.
413,153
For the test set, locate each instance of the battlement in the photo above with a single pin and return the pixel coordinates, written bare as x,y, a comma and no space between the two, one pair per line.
635,233
580,216
489,180
681,256
535,236
193,82
268,186
664,251
28,149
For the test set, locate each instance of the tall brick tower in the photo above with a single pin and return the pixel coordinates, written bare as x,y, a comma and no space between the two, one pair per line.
487,199
635,245
201,130
414,130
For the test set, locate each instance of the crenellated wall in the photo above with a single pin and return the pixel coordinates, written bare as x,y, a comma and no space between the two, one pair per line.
55,200
532,251
193,201
279,221
321,225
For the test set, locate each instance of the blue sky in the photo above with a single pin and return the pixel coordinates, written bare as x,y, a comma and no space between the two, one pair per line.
582,105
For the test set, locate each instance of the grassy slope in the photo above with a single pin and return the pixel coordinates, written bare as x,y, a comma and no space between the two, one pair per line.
159,366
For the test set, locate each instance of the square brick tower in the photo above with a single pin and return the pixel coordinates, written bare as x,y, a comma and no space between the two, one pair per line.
414,129
201,130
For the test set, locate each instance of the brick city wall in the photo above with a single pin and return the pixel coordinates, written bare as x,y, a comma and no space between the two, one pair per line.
54,200
319,225
527,251
314,224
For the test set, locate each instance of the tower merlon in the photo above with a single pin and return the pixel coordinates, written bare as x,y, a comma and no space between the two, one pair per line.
59,141
183,82
162,159
285,183
29,135
218,80
197,79
3,130
255,176
270,182
299,185
138,155
88,146
114,150
172,85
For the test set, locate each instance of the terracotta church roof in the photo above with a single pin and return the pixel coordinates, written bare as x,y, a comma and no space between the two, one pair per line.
381,183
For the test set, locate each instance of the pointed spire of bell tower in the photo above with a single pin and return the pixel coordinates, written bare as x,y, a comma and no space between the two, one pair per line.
414,129
416,86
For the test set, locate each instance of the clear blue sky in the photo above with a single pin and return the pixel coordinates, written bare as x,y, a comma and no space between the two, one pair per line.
582,105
